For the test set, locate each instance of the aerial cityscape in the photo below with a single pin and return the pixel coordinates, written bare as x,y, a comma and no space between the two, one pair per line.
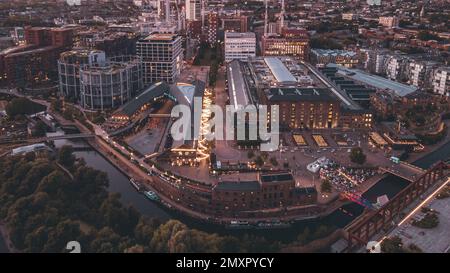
224,126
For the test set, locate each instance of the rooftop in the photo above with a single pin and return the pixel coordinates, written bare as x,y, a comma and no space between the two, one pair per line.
301,94
161,37
238,186
151,93
240,35
267,178
378,82
237,87
282,71
333,52
279,70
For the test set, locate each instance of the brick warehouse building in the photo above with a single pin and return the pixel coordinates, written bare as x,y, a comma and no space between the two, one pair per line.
314,108
36,61
276,191
270,191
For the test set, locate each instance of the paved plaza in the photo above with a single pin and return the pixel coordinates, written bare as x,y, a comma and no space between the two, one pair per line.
434,240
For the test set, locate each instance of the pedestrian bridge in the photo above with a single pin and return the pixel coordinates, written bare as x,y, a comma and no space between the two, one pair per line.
43,139
70,136
404,170
159,115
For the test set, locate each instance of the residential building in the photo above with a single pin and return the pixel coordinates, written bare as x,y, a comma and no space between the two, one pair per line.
419,73
389,21
36,61
342,57
111,85
396,67
441,81
69,70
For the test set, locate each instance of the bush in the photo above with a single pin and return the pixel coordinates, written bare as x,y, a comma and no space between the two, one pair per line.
65,156
392,245
326,186
357,156
274,161
23,106
430,220
259,161
444,193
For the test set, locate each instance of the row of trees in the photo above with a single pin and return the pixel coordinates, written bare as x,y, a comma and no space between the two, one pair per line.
22,106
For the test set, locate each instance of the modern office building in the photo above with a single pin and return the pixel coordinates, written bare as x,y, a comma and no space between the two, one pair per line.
111,85
162,57
235,23
291,42
193,10
69,65
239,45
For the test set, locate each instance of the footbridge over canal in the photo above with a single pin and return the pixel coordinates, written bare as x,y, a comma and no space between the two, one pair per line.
404,170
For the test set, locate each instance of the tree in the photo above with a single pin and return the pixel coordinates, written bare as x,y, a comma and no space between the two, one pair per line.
163,235
426,36
250,154
304,237
65,156
414,248
357,156
56,105
68,114
326,186
274,161
40,129
430,220
22,106
259,161
392,245
98,119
